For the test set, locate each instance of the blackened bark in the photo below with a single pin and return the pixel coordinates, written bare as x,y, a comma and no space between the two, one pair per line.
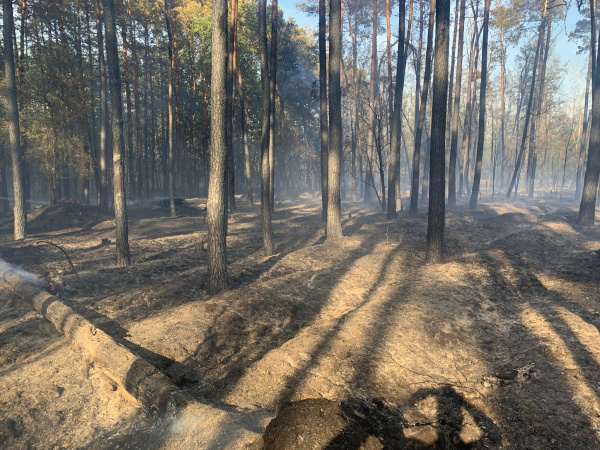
396,120
118,144
587,207
414,191
435,223
265,191
456,111
482,87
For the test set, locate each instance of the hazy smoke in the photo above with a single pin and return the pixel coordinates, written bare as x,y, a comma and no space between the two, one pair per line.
6,267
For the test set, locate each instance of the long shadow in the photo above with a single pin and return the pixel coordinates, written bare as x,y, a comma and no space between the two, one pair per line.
558,417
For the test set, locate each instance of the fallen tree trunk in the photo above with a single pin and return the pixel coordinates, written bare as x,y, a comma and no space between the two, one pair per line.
139,378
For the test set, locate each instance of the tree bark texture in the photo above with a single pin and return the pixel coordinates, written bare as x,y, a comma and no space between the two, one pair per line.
323,106
216,212
118,144
265,190
482,92
436,218
414,191
456,110
12,116
334,221
396,120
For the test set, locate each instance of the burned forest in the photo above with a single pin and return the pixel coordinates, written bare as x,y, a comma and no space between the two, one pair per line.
241,224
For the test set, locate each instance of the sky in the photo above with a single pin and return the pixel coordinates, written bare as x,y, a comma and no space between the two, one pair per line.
565,50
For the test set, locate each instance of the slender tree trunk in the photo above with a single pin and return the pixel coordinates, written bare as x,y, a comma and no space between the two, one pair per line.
323,106
373,84
584,134
12,116
396,119
243,119
502,107
121,227
439,108
334,221
104,132
137,186
171,119
452,61
414,191
129,172
265,190
538,110
587,207
482,92
216,212
273,92
456,111
230,110
529,105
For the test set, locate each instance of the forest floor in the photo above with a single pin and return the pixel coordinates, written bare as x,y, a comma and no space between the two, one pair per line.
498,347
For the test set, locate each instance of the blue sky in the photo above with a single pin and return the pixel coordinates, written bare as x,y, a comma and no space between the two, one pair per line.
565,50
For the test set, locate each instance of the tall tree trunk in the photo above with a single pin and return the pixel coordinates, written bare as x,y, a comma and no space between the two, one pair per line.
414,191
538,110
529,105
265,190
104,132
355,123
373,84
243,119
396,119
456,110
216,212
171,119
273,92
121,227
482,92
323,106
12,116
584,134
230,110
587,207
502,61
452,61
334,221
138,121
439,108
129,151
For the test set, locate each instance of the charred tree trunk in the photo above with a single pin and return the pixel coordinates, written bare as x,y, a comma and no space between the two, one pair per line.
104,141
456,111
414,191
396,119
439,108
265,190
273,93
121,227
482,92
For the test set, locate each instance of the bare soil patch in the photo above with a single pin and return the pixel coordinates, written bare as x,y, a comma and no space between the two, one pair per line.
498,347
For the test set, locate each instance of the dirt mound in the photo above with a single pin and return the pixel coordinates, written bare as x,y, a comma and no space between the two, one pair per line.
64,216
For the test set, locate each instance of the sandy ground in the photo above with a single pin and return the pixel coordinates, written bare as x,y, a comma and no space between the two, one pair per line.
498,347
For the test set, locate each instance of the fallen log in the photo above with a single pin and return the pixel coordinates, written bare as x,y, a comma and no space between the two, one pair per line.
156,393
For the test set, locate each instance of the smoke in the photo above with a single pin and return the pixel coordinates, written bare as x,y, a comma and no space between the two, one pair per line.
6,267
